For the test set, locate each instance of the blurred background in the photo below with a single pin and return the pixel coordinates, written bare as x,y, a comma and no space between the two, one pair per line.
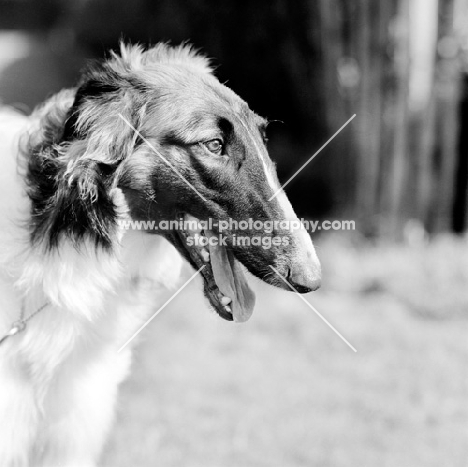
283,390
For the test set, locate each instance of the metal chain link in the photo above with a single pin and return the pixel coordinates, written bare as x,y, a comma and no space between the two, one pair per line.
20,325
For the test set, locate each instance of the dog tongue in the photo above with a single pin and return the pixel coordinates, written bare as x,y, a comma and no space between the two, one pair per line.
231,281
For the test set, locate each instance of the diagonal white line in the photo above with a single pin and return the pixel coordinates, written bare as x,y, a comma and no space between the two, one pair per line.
160,309
257,148
323,147
313,309
163,158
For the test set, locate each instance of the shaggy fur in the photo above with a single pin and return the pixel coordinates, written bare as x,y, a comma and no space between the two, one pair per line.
70,173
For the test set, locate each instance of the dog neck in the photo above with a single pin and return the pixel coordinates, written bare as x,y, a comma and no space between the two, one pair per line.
79,278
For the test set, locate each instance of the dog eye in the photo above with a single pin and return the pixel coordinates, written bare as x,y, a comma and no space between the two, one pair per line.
215,146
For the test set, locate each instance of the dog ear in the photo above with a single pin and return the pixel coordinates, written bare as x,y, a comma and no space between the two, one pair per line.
104,114
70,180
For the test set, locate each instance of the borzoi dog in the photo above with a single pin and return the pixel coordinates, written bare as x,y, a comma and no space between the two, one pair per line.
146,136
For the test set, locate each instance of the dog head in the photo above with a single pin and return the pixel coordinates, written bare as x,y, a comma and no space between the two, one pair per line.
181,147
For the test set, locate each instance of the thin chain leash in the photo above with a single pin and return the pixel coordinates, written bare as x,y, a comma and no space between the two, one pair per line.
20,325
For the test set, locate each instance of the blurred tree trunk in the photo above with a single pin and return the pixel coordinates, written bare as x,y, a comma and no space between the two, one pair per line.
399,168
461,180
460,190
369,109
338,104
423,107
448,98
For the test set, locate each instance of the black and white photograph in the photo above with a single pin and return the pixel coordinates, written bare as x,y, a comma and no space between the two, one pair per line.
234,233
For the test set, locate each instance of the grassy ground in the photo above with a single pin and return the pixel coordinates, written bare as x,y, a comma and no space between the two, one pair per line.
284,391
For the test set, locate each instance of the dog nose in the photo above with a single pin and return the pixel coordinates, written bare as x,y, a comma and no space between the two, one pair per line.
305,278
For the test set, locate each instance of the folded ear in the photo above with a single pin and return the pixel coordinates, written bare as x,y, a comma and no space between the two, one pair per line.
71,167
106,107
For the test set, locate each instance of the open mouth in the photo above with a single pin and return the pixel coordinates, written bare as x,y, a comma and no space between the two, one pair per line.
224,279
